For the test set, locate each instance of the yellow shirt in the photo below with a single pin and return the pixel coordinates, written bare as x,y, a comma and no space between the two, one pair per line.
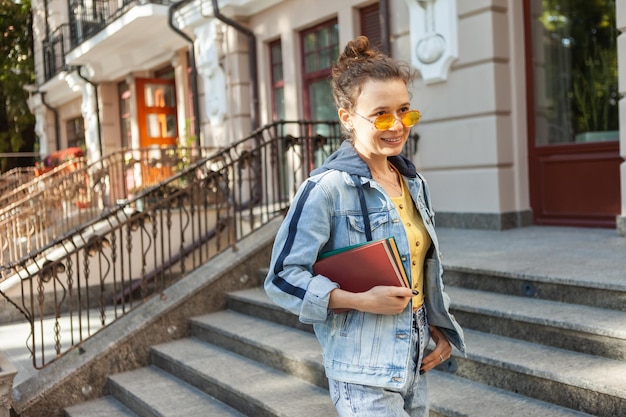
418,238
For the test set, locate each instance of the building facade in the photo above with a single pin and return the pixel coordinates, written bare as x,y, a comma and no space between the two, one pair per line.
521,101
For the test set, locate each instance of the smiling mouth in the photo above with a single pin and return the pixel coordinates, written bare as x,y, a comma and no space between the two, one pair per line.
391,140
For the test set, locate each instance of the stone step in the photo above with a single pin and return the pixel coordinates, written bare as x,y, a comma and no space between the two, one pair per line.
255,302
281,347
100,407
585,329
452,396
140,393
150,391
586,383
595,293
248,386
298,353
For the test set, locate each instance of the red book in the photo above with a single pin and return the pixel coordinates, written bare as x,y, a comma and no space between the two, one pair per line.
360,267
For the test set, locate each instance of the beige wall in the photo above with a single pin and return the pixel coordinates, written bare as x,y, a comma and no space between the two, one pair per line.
110,130
473,137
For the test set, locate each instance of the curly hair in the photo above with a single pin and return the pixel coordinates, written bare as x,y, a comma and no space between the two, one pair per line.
358,63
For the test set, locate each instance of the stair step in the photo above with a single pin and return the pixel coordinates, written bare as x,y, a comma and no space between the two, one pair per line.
255,302
591,384
143,389
452,396
290,344
609,295
252,388
584,329
283,348
100,407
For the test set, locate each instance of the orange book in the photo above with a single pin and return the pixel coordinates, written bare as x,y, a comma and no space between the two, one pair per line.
360,267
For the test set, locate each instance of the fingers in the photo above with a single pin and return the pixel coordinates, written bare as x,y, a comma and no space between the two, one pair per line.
441,352
386,300
398,292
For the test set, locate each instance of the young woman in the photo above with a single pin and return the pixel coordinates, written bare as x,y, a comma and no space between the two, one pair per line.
374,348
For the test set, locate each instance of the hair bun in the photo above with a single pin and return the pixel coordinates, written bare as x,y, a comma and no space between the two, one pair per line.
356,50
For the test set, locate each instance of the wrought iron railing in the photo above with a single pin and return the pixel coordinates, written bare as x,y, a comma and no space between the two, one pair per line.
135,247
102,269
55,47
89,17
32,184
39,212
13,179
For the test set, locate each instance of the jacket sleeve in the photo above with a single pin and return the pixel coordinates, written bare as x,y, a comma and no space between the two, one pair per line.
290,281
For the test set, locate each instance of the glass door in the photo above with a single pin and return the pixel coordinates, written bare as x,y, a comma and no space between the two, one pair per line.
573,122
156,112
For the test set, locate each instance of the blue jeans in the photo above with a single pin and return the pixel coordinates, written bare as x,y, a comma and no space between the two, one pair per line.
352,400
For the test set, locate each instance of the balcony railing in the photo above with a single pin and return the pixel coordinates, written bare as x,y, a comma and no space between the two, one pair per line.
88,17
54,50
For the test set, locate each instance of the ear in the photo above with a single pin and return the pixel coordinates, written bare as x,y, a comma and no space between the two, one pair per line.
346,118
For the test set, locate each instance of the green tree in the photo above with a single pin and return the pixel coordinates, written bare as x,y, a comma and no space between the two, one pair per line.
16,70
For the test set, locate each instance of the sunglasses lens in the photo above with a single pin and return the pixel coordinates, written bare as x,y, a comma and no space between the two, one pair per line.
411,118
384,122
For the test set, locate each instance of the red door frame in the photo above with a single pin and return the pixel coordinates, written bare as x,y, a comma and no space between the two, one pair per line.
570,184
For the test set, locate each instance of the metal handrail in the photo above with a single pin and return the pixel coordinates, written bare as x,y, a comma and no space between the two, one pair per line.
104,267
13,178
99,271
76,192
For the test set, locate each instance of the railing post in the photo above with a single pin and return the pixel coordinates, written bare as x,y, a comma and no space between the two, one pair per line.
7,373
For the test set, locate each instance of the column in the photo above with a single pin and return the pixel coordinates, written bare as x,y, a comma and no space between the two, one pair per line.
621,68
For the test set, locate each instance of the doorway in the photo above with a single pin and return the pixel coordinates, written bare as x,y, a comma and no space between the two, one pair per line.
156,112
571,57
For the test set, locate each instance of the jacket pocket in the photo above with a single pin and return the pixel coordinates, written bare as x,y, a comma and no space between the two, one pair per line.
357,226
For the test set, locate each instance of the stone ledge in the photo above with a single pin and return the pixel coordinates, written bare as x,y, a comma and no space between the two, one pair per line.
484,221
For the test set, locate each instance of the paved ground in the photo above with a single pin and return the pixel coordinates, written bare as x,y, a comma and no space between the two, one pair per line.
596,256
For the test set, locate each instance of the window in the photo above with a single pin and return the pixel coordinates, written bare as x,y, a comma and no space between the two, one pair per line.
75,129
320,48
278,83
575,71
370,25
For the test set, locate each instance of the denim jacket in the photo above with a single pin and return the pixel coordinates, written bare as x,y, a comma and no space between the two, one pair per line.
328,213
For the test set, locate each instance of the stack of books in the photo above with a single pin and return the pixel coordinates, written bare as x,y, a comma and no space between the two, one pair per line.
360,267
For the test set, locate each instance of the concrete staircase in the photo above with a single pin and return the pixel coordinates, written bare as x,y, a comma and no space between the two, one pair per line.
530,353
544,310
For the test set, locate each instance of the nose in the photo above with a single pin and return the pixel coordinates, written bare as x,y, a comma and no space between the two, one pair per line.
397,120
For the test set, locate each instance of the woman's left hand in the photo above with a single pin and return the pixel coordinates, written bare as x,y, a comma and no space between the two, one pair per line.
442,350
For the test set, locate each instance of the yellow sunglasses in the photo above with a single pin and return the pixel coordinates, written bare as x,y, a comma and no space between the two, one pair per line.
388,120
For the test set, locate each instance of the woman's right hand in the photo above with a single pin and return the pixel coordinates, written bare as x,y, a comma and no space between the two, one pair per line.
378,300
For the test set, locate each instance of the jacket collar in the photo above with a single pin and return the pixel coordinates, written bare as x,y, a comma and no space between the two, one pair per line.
346,159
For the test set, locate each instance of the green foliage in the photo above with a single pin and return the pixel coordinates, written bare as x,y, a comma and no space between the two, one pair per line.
580,37
16,71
